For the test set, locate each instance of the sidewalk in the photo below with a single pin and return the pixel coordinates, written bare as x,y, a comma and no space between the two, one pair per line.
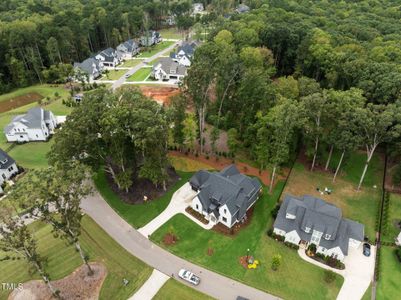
150,288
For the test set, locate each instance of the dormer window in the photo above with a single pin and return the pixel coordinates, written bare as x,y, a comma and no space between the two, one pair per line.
4,161
307,229
327,236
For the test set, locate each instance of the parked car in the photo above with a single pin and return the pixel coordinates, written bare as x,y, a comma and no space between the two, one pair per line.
189,276
366,249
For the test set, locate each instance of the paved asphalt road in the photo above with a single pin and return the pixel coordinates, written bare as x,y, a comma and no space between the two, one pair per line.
213,284
119,82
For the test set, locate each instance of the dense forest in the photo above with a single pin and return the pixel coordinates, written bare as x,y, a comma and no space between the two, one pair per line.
329,72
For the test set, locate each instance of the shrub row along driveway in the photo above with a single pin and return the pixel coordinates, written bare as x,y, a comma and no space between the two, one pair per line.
212,283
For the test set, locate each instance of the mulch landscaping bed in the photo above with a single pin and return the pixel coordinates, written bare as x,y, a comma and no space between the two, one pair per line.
170,239
143,187
223,162
16,102
77,285
196,215
219,227
243,260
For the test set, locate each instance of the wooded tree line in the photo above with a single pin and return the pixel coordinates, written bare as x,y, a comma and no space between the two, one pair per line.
327,72
37,34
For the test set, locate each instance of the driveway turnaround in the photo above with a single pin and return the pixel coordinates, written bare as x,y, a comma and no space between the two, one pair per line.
150,288
358,273
212,284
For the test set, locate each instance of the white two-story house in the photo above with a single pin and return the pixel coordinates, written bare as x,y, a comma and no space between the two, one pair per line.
167,69
225,196
310,220
88,70
109,57
36,125
184,53
8,168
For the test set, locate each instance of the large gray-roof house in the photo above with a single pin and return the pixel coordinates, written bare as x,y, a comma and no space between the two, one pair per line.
8,168
224,196
150,38
168,69
109,57
36,125
309,220
184,53
128,49
90,67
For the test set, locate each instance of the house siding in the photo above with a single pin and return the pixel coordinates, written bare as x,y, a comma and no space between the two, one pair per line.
292,237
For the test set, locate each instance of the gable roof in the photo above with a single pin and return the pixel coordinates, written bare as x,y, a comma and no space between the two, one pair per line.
130,45
88,65
5,160
167,64
319,215
32,119
228,187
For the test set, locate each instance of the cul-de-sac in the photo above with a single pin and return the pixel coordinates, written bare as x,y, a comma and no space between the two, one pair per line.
200,149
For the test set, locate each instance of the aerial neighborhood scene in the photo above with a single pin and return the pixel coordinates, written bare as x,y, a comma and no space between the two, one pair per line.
206,149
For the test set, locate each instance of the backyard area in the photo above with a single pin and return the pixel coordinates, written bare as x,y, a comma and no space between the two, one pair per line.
140,75
131,63
155,49
137,215
388,286
361,206
113,74
392,228
174,290
63,260
171,33
221,253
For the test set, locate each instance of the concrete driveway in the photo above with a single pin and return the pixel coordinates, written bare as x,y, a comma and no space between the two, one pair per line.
358,273
180,200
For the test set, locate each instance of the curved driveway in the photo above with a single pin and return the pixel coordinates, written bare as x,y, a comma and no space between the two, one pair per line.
213,284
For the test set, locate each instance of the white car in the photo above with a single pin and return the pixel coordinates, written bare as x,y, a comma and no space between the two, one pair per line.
189,276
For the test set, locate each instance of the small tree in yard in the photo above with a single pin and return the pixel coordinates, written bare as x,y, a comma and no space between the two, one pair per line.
329,276
189,131
16,238
276,262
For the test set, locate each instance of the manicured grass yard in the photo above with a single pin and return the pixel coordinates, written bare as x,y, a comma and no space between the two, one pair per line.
113,74
295,279
155,49
63,259
137,215
140,75
173,290
131,63
360,205
32,155
390,275
170,33
394,216
187,164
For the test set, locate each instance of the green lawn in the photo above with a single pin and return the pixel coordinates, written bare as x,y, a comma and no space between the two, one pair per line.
368,294
63,259
173,290
140,75
32,155
155,49
388,287
137,215
170,33
295,279
113,74
394,216
131,63
360,205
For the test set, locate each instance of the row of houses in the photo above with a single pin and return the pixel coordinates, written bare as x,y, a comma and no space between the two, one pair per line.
92,67
175,66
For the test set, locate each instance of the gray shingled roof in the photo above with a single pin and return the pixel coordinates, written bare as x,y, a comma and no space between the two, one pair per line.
318,215
168,65
130,45
227,187
5,160
32,119
87,65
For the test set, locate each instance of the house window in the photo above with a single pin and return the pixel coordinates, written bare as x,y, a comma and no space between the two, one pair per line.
197,206
316,237
21,136
4,176
225,211
225,219
307,229
37,136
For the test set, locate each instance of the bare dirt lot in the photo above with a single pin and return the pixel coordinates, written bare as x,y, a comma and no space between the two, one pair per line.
160,94
19,101
77,285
